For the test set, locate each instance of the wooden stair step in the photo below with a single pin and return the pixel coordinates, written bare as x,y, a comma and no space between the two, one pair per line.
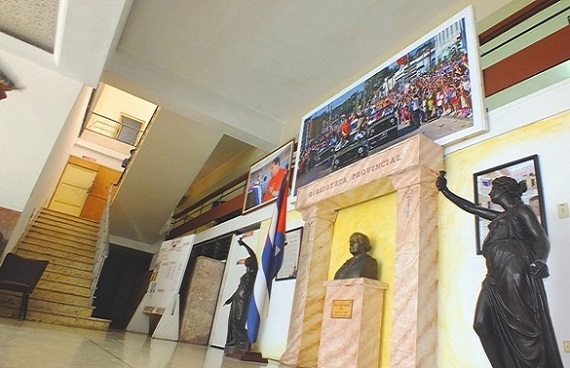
67,271
57,260
59,297
59,319
75,223
38,242
66,217
63,234
65,226
69,320
70,279
64,287
56,252
13,300
36,236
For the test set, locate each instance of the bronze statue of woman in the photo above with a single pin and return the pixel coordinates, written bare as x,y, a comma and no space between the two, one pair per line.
237,339
512,317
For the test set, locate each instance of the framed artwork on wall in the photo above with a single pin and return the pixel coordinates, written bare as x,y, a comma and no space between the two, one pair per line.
526,169
291,254
265,177
433,87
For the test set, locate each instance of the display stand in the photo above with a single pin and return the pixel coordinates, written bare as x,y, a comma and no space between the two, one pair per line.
158,314
352,323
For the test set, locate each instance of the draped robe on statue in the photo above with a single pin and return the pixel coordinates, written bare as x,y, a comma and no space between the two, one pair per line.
516,300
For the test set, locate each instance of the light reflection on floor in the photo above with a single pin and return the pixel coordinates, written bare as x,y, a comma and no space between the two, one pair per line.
30,344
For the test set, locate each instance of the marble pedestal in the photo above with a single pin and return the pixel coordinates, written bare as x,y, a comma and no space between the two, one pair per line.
350,336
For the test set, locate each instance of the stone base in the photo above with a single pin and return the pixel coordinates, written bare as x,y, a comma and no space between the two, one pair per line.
350,336
245,355
201,298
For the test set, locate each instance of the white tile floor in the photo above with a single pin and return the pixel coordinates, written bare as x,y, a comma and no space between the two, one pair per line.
30,344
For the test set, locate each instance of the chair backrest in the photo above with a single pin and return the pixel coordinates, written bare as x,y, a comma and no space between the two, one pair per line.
23,270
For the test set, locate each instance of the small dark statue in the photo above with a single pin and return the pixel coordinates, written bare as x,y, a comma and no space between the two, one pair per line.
512,317
361,264
237,341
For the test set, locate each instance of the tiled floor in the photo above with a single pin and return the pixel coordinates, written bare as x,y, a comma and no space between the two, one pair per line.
30,344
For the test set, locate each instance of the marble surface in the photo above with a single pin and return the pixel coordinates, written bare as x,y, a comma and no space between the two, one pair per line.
352,341
408,168
201,299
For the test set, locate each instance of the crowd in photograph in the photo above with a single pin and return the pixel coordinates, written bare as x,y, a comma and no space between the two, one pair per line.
443,90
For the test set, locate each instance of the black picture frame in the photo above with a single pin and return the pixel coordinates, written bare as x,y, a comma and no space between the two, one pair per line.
526,168
293,240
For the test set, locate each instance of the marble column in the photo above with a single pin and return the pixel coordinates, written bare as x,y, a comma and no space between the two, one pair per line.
414,331
307,313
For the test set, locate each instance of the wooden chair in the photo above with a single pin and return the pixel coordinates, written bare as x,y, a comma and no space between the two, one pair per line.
21,274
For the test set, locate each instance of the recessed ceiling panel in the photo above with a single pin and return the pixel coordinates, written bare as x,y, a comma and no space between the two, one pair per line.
31,21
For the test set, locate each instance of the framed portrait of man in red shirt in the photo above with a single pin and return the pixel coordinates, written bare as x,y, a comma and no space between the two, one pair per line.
266,176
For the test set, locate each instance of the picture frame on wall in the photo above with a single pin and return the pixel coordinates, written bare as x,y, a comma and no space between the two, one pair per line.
526,169
291,253
433,87
265,177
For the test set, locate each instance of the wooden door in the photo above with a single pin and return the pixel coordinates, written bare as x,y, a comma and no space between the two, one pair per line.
73,189
97,199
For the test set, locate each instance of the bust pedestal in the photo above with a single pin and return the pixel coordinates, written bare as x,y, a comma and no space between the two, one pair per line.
350,336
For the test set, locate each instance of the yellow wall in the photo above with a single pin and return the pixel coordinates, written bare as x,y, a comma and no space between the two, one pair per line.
460,270
377,219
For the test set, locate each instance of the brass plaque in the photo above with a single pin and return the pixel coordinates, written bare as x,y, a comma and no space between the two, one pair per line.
342,308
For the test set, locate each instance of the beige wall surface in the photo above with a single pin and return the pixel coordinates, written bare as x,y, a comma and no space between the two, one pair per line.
461,270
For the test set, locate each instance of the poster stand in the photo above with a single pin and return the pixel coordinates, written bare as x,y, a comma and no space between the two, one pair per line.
158,314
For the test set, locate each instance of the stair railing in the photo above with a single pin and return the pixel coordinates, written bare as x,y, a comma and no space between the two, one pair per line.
102,245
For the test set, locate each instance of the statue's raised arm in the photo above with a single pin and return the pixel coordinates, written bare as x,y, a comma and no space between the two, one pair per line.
486,213
247,248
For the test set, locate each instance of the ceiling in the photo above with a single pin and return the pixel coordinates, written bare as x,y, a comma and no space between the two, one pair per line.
247,69
253,68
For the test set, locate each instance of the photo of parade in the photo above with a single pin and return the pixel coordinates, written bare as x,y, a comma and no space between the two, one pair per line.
426,90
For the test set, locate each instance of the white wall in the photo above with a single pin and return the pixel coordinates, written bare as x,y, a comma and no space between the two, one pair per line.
38,126
517,130
30,122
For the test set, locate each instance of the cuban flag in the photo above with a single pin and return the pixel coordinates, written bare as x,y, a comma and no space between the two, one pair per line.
271,261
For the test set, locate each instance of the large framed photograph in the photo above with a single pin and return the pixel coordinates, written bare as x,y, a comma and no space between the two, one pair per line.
291,252
434,88
526,169
265,177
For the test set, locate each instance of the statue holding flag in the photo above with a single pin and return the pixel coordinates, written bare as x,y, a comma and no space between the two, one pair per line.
252,305
237,340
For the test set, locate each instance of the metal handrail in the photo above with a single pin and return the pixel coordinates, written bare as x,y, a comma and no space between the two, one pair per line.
111,128
234,188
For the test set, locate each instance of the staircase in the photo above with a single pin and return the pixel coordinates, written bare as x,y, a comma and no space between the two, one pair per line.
63,294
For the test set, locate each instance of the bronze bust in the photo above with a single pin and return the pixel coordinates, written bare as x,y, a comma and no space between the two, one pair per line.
361,264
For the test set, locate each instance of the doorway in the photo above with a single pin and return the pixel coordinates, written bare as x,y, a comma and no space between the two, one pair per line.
84,189
73,189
